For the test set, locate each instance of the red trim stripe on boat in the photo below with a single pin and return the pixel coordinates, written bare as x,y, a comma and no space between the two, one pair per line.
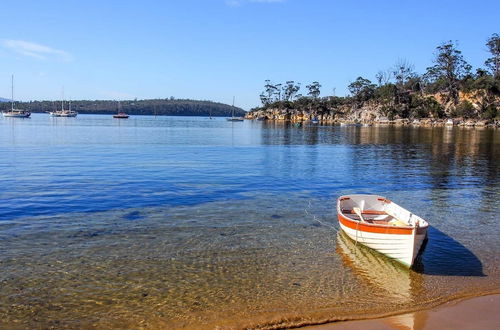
369,228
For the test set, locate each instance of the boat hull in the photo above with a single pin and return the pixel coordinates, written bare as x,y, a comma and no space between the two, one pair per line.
121,115
401,243
63,114
17,114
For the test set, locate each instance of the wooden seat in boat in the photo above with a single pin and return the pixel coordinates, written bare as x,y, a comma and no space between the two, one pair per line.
375,217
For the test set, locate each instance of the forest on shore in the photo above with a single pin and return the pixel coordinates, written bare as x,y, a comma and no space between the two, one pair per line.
168,107
448,89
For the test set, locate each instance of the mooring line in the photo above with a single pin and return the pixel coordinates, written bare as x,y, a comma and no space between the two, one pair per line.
317,220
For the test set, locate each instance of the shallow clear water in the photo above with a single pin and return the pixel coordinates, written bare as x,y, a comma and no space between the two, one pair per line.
189,222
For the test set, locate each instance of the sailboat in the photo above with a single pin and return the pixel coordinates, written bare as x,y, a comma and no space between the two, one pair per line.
120,114
233,118
17,113
62,112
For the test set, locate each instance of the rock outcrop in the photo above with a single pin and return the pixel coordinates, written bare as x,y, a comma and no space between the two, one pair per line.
372,112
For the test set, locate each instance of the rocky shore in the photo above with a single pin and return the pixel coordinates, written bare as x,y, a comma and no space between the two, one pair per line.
363,117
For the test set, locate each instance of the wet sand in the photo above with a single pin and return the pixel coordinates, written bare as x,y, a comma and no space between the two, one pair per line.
474,313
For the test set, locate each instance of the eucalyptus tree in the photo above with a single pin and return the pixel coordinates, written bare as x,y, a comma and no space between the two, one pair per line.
314,89
449,69
290,89
361,89
402,72
268,95
493,63
277,92
383,77
264,99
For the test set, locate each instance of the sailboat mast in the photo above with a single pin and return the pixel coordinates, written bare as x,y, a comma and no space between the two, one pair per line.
12,96
232,110
62,99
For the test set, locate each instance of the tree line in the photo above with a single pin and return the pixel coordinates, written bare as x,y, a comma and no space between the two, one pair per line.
446,89
170,107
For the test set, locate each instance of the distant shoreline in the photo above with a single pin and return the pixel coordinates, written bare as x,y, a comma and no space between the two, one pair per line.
140,114
170,107
424,122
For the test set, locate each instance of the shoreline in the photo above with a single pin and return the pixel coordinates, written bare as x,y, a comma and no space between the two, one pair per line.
479,312
423,122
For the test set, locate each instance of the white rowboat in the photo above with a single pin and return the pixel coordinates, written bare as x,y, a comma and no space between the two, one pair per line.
382,225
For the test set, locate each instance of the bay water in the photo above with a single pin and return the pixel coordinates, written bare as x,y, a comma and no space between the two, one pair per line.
191,222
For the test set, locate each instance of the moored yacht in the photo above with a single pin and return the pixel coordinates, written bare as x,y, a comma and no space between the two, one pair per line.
63,112
16,113
233,118
121,114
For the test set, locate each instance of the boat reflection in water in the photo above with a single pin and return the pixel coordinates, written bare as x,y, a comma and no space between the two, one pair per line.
395,283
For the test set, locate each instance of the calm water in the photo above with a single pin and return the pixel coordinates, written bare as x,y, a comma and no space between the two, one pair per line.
180,222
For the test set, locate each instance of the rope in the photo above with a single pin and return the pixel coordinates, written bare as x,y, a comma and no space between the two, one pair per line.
317,220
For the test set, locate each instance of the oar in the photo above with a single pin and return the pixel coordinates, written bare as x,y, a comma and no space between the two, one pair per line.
358,212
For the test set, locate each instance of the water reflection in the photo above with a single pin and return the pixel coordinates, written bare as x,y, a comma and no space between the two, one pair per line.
379,271
410,321
400,285
440,159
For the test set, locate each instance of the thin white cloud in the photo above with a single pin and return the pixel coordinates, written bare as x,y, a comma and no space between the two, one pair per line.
237,3
233,3
35,50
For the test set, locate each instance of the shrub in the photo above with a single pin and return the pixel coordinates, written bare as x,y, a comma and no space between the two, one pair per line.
464,109
491,112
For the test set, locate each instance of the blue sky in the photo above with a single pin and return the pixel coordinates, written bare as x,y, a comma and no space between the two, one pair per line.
214,49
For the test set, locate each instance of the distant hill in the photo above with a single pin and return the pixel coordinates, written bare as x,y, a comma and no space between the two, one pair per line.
170,107
4,100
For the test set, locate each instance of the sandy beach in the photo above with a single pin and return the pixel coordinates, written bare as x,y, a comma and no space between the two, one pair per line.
474,313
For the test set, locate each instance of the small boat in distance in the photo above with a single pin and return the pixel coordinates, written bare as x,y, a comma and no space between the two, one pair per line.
15,113
233,118
382,225
121,114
